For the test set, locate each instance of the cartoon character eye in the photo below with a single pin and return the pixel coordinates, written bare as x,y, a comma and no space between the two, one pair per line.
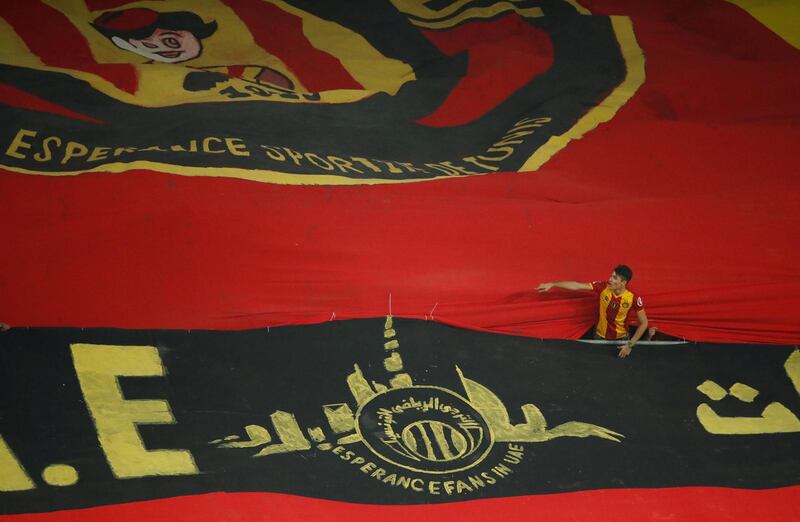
171,42
149,45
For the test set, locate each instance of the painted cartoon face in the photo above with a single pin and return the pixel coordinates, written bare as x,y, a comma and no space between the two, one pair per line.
164,45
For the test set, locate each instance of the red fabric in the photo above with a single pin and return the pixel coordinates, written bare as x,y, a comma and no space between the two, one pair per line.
128,19
691,503
27,19
236,71
701,162
281,34
10,95
502,56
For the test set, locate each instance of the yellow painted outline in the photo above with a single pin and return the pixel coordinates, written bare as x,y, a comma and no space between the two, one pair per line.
578,7
280,178
634,66
779,16
481,12
419,10
488,429
635,75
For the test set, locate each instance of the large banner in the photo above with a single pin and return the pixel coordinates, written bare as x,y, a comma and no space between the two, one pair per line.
382,411
308,92
183,184
229,164
684,167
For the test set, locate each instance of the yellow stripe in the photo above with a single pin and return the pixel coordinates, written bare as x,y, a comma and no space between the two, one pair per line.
782,17
634,65
622,314
418,9
261,175
481,12
13,49
602,322
369,67
578,7
442,442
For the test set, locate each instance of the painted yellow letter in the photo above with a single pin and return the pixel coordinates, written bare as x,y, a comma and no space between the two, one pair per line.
20,143
98,367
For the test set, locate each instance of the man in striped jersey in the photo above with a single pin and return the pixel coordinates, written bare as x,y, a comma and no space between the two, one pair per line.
617,304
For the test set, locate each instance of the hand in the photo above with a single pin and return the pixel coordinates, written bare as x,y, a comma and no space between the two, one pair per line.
625,350
544,287
4,327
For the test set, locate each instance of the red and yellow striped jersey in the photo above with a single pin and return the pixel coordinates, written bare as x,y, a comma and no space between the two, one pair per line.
614,310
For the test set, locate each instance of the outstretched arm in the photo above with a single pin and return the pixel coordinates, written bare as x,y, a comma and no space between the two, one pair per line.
566,285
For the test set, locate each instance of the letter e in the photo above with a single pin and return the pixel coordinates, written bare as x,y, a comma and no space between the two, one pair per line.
98,368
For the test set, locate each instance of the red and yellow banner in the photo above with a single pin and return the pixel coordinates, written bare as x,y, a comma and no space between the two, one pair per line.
121,204
235,164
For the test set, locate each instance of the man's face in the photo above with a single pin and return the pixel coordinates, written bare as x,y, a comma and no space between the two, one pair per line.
616,283
165,46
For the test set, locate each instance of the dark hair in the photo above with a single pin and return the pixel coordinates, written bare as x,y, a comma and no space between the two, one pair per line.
139,23
625,272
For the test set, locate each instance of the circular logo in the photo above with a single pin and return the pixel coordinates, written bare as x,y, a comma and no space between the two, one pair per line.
424,428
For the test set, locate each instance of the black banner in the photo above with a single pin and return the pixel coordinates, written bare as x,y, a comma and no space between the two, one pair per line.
381,411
